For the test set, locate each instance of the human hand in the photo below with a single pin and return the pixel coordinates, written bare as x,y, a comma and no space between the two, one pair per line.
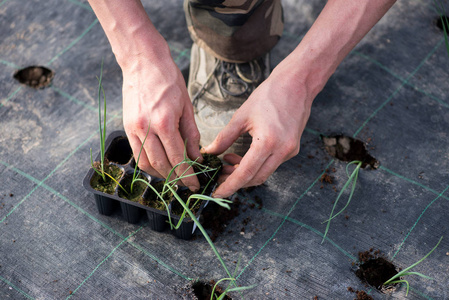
155,95
275,115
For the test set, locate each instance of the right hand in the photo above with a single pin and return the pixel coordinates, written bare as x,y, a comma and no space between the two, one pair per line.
155,95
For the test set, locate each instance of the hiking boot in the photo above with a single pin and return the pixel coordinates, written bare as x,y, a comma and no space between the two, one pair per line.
218,88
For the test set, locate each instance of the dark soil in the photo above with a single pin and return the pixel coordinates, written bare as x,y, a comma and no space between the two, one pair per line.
348,149
177,208
35,76
439,22
209,178
326,178
138,188
216,218
109,185
374,269
203,290
207,181
150,198
360,295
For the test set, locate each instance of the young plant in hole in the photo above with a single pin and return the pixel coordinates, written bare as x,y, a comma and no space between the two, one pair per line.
222,202
99,167
231,280
397,278
351,179
170,187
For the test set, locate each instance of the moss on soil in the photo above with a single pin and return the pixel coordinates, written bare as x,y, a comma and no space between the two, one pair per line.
109,185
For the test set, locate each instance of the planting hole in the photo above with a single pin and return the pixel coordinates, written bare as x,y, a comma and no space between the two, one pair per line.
375,269
439,22
203,290
348,149
35,76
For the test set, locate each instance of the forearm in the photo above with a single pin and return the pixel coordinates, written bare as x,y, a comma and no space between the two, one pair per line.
130,31
337,30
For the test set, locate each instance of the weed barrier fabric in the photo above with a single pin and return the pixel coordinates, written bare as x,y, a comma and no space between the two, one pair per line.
390,92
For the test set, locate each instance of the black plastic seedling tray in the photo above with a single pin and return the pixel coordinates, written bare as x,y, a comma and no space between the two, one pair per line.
119,152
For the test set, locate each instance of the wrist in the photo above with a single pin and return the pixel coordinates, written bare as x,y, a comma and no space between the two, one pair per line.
130,32
301,77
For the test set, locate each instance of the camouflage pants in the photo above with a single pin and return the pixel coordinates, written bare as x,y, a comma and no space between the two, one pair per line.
235,30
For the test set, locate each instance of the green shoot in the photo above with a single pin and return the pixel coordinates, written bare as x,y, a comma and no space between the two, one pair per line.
137,172
396,278
232,281
351,179
198,197
170,187
101,172
101,169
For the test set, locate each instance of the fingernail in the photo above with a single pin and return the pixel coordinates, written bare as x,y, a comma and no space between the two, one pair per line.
193,188
216,195
203,150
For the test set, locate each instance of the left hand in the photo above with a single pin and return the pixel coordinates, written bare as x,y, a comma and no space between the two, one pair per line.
275,115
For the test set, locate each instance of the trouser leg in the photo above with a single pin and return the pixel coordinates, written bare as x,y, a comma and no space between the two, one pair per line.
235,30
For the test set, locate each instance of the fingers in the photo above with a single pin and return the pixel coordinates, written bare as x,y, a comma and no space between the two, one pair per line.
158,159
227,136
247,173
190,134
232,158
174,147
144,163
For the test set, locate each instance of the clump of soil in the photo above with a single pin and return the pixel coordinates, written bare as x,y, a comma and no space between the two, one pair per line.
216,218
209,178
348,149
138,188
207,182
258,201
326,178
109,185
360,295
35,76
203,290
375,269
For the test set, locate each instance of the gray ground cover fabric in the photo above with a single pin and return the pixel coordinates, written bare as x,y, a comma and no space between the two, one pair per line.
390,92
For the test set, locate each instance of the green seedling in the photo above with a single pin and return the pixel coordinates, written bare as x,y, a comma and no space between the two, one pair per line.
221,202
352,179
397,278
194,199
101,169
136,170
231,280
170,187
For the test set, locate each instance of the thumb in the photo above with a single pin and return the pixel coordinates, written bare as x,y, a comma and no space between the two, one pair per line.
225,138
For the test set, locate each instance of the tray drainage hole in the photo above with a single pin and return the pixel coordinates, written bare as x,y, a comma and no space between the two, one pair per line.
439,22
35,76
348,149
203,290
